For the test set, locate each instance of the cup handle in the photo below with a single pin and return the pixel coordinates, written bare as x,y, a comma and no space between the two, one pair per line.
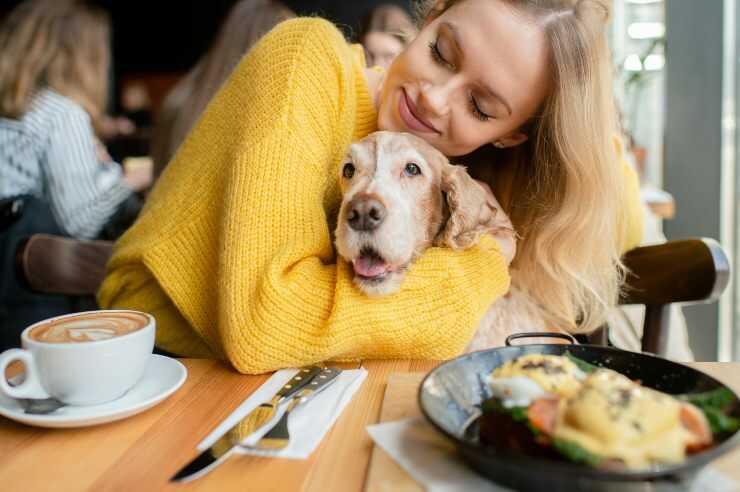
31,386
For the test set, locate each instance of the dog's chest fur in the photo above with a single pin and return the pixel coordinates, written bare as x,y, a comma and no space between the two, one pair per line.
513,313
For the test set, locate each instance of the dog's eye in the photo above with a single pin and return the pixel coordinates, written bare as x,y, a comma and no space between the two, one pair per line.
348,170
412,169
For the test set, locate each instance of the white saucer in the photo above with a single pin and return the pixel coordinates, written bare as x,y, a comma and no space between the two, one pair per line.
162,377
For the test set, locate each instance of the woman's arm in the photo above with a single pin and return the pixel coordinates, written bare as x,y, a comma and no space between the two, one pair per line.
283,301
286,302
83,193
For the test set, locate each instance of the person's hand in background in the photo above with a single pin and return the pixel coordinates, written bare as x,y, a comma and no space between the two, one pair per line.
110,127
138,172
102,152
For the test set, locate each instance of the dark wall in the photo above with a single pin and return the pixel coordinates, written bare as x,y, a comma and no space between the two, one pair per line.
162,36
169,36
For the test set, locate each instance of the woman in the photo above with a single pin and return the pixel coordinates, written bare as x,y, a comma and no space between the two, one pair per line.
54,59
247,21
233,253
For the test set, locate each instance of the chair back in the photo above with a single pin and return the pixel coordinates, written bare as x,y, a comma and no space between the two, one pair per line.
688,271
59,265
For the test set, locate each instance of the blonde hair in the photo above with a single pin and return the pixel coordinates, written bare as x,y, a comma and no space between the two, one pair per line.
562,188
246,23
62,45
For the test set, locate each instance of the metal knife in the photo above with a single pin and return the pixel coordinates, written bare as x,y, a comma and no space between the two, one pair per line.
278,437
252,422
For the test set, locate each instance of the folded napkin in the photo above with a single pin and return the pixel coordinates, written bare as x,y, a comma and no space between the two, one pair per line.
432,461
308,422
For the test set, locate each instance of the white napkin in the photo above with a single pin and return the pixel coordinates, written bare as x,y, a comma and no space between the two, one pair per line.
308,422
432,461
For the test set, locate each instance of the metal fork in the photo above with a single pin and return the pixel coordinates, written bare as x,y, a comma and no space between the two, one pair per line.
279,437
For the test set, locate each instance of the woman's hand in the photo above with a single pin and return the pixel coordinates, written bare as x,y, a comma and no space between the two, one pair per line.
503,229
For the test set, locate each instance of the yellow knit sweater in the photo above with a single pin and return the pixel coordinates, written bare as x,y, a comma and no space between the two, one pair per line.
233,254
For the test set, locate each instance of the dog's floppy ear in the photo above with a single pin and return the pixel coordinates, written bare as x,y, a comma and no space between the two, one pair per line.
471,211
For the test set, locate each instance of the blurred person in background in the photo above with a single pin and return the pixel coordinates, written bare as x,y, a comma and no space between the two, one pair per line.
54,171
136,104
54,60
626,322
384,33
247,21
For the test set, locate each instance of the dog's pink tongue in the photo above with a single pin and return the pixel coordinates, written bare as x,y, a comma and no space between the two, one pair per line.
370,267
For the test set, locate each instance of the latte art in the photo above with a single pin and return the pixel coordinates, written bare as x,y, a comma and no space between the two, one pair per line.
89,327
86,334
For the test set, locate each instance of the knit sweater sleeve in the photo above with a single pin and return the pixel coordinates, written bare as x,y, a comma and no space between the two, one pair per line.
269,292
632,220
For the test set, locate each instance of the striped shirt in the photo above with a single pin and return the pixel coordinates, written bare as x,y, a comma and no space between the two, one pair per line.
50,153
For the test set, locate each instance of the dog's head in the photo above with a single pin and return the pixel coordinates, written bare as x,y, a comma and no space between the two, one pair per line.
400,196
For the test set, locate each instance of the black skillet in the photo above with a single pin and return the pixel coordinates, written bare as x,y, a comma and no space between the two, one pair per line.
450,394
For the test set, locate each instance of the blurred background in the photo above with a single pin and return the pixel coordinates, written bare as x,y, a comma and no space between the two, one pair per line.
675,66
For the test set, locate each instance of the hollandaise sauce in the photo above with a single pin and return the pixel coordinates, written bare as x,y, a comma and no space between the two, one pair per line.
613,417
600,417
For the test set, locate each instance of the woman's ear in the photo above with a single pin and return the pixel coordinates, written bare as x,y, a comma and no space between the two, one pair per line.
513,139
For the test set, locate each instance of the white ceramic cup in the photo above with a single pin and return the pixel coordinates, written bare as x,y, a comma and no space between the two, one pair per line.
80,373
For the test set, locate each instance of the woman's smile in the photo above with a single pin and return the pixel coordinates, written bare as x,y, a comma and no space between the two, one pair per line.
410,115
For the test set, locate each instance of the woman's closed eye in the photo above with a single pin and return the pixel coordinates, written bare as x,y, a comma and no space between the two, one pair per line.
476,110
439,58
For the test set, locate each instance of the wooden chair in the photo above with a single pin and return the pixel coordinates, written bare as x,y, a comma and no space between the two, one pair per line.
689,271
685,271
51,264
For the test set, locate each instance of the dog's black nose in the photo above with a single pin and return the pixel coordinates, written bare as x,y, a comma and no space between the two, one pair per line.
365,214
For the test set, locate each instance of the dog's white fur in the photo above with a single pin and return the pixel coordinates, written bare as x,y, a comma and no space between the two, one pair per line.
442,206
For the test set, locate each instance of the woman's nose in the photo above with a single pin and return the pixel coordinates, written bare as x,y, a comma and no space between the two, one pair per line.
433,99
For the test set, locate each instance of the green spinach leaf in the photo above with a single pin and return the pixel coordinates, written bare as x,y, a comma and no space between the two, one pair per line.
584,366
715,405
575,452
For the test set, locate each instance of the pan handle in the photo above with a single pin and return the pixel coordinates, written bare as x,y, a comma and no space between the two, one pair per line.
537,334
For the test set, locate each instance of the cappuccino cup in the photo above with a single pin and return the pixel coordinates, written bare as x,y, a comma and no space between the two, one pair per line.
83,358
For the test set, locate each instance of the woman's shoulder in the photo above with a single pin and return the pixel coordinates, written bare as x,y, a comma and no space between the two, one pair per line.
54,108
309,28
303,57
312,39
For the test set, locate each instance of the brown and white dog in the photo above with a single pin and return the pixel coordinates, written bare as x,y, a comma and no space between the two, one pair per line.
401,196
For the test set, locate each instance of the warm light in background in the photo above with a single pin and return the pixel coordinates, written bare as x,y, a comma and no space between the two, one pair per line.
652,63
655,61
646,30
632,63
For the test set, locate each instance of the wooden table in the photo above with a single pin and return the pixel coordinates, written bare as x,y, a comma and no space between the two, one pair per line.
142,452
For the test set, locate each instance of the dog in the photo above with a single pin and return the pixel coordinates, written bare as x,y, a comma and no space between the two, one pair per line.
401,196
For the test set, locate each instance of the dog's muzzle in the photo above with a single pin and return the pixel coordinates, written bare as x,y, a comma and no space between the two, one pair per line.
365,214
